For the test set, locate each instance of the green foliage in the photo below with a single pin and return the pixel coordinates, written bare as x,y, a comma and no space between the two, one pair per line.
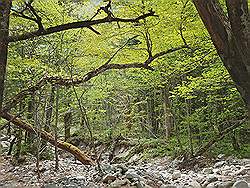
202,97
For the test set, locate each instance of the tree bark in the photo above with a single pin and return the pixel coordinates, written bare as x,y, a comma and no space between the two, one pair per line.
168,117
4,34
152,114
67,124
49,109
231,38
46,136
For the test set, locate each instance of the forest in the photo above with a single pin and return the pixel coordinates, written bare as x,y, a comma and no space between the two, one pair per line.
125,93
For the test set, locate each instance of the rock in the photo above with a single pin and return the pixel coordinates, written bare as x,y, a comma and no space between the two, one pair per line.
134,158
219,164
131,174
242,171
227,184
122,167
212,179
195,184
5,144
140,184
211,185
240,184
217,171
176,174
207,171
51,185
118,183
164,175
107,168
168,186
108,178
220,156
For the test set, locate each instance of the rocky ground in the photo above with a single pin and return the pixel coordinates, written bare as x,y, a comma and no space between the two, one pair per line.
223,172
162,173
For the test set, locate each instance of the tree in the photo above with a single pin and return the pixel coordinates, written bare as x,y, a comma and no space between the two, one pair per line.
230,34
27,11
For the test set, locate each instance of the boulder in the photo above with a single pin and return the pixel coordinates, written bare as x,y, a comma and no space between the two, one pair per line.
240,184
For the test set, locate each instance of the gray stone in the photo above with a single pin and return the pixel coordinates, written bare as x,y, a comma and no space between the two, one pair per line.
242,171
108,178
240,184
176,174
168,186
131,174
122,167
219,164
207,171
220,156
195,184
118,183
211,185
227,184
51,185
212,179
217,171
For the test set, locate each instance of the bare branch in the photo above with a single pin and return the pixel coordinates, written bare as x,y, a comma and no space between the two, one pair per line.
37,19
76,81
75,25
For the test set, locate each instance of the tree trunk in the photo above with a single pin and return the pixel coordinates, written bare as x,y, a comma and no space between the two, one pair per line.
4,33
67,124
168,117
46,136
49,109
19,136
56,128
231,38
152,114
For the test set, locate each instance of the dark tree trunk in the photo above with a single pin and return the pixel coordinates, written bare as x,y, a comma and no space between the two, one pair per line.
152,115
168,117
67,124
19,136
231,38
29,137
4,33
141,112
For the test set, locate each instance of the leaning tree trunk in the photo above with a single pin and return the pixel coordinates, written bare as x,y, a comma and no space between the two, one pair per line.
4,33
231,38
46,136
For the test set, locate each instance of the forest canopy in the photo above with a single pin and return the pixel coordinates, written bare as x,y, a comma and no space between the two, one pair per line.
168,73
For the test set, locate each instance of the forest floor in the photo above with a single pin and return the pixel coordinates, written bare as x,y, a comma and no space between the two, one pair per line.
156,173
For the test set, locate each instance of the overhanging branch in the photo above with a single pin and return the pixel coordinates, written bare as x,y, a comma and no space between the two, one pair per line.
75,25
76,81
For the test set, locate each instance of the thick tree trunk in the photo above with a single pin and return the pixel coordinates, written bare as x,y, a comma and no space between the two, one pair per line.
231,38
4,33
46,136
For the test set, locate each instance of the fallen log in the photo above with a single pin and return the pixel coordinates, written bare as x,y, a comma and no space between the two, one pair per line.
48,137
